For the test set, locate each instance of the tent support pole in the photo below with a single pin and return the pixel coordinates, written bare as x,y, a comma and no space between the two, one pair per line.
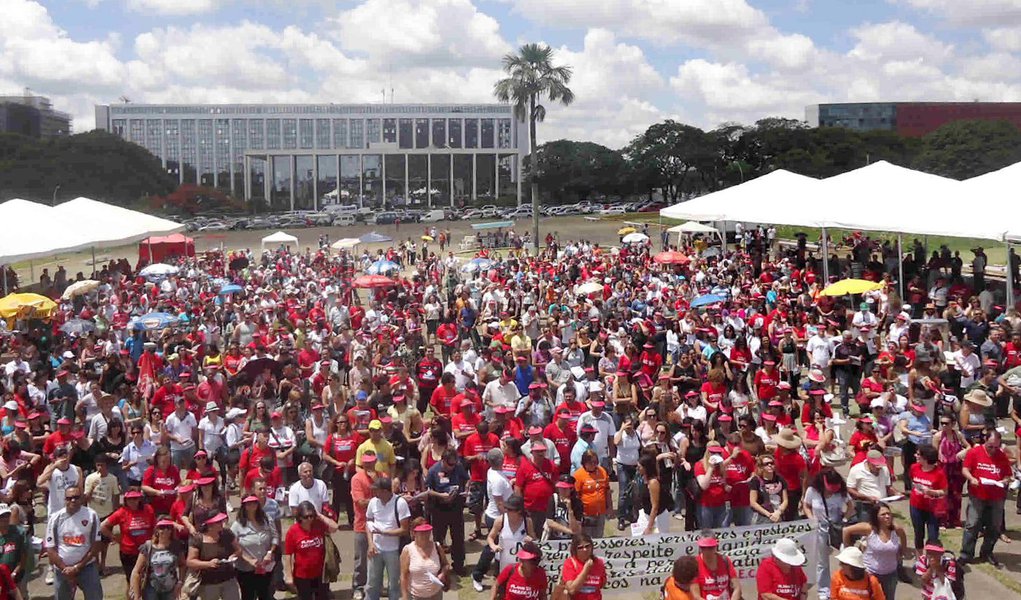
825,259
31,272
1009,279
4,267
149,243
93,263
900,264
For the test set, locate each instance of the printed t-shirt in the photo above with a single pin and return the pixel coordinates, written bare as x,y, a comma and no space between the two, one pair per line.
866,588
518,587
924,480
592,488
715,584
983,466
715,494
162,481
136,527
739,469
771,580
591,589
308,549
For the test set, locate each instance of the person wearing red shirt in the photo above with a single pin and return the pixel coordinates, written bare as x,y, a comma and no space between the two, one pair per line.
474,450
137,522
60,437
307,359
988,472
447,334
737,473
464,422
267,471
651,361
535,482
791,466
305,552
340,449
717,577
713,391
442,398
361,414
1012,352
428,372
863,439
575,408
711,478
165,397
160,481
563,437
928,490
525,580
179,508
781,576
766,380
583,573
361,492
251,456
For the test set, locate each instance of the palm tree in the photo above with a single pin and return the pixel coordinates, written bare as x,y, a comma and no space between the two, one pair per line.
531,78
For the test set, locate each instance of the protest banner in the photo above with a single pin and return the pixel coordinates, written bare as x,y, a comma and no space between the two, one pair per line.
642,564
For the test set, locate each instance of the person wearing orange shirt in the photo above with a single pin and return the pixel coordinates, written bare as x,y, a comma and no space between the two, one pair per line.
852,581
593,486
679,585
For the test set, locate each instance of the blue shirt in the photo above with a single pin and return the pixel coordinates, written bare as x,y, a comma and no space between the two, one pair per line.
523,377
918,423
442,478
580,448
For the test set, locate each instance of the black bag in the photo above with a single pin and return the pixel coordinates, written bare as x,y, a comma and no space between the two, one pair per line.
836,529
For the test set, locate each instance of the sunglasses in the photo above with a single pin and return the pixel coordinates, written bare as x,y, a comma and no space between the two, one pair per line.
72,498
768,464
584,546
946,422
304,517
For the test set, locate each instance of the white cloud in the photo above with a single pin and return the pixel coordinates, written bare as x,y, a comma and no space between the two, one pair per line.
897,41
972,12
1007,39
173,7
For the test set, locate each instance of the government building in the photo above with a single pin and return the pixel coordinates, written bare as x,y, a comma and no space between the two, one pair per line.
308,156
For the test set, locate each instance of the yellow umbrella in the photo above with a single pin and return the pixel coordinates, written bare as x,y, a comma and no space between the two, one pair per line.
851,286
34,304
427,238
626,230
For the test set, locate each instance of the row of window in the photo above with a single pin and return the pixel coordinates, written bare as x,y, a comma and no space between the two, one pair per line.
305,109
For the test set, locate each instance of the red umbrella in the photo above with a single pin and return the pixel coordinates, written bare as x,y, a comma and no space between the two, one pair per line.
373,281
671,257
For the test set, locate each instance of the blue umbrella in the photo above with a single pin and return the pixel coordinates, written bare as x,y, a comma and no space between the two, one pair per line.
78,327
382,267
707,300
477,264
156,320
375,238
231,288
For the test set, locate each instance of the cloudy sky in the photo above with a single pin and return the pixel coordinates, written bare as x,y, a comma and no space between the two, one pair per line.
636,61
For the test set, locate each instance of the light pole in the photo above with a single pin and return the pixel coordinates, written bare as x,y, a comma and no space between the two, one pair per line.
55,190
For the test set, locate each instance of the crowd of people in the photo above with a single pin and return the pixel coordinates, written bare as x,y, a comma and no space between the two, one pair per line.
579,393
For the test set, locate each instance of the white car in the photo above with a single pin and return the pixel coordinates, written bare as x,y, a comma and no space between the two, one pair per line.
613,210
214,226
522,212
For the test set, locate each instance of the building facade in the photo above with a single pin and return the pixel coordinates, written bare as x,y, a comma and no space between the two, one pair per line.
913,119
33,116
308,156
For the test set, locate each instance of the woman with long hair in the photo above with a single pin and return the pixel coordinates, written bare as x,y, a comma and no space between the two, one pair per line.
212,552
710,473
694,450
425,569
205,504
584,574
524,580
952,446
160,481
158,573
885,545
928,496
568,511
305,552
341,447
629,445
258,538
767,492
409,484
826,502
654,498
509,530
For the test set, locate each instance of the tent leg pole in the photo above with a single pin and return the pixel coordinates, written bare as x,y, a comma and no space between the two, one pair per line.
31,271
150,251
900,264
825,259
4,267
93,263
1009,279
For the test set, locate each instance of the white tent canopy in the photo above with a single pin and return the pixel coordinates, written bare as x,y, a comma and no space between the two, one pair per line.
692,227
779,197
279,239
32,230
999,189
110,225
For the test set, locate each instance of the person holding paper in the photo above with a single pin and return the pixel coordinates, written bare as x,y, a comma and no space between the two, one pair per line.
424,566
987,469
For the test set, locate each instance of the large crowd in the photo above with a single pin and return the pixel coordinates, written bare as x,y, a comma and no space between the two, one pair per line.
217,424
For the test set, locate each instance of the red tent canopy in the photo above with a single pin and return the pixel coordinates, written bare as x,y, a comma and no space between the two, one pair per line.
156,249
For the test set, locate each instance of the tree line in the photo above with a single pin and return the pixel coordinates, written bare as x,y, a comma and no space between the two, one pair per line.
678,161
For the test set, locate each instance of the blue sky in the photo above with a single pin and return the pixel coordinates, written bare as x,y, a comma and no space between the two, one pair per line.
636,61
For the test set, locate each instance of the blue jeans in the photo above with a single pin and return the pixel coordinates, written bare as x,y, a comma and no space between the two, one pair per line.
926,527
625,499
739,516
87,580
822,560
391,560
712,517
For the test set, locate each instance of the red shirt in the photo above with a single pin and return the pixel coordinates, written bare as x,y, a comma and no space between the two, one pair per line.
717,582
536,480
361,489
563,441
464,423
790,466
592,588
771,580
861,443
447,334
442,400
477,444
273,480
308,549
765,384
163,481
935,479
250,458
360,417
576,409
55,440
715,494
651,363
136,527
428,373
714,395
981,465
518,587
343,448
740,468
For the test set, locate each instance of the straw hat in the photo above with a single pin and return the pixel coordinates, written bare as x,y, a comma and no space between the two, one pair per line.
978,397
787,439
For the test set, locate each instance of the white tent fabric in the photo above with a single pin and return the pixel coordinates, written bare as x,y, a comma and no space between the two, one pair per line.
692,227
780,197
110,225
33,230
999,189
279,238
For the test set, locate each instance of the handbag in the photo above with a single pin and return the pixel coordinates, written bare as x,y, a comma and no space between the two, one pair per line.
836,456
836,530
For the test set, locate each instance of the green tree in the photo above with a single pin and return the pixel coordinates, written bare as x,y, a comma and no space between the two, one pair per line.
531,78
572,171
97,165
667,156
968,148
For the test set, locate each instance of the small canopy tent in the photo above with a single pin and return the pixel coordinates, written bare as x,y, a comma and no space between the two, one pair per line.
156,249
279,239
110,225
779,197
693,227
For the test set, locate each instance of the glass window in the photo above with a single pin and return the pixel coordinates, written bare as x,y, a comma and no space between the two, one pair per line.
290,134
503,134
304,183
120,127
454,132
238,132
463,177
172,147
223,158
280,192
205,139
137,132
340,133
189,152
357,133
390,131
406,139
258,181
471,133
439,137
421,133
418,179
487,133
305,133
394,168
485,175
439,185
372,132
255,134
272,134
372,179
326,184
154,137
505,179
350,179
323,135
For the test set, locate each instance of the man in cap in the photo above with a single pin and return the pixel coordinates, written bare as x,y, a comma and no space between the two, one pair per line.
563,437
868,482
382,449
62,398
361,495
500,392
586,442
212,429
599,419
535,407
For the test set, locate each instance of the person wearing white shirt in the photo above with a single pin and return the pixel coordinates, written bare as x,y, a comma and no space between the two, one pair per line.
387,520
967,363
182,430
498,487
72,543
211,431
868,482
604,423
820,349
500,392
462,371
307,488
282,441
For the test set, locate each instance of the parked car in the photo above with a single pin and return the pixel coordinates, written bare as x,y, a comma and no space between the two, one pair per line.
435,215
343,220
385,218
214,226
522,212
613,210
471,213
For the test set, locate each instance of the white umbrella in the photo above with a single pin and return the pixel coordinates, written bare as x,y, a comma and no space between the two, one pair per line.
635,238
79,287
158,270
590,287
343,243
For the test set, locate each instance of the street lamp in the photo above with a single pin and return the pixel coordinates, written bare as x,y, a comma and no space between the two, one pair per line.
55,190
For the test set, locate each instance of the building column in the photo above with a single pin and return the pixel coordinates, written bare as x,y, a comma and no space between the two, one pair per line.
407,168
450,182
475,178
267,180
315,179
361,183
248,179
429,176
291,159
496,178
340,200
382,177
517,168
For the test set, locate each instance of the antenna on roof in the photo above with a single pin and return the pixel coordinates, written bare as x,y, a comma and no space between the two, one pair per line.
125,100
390,70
